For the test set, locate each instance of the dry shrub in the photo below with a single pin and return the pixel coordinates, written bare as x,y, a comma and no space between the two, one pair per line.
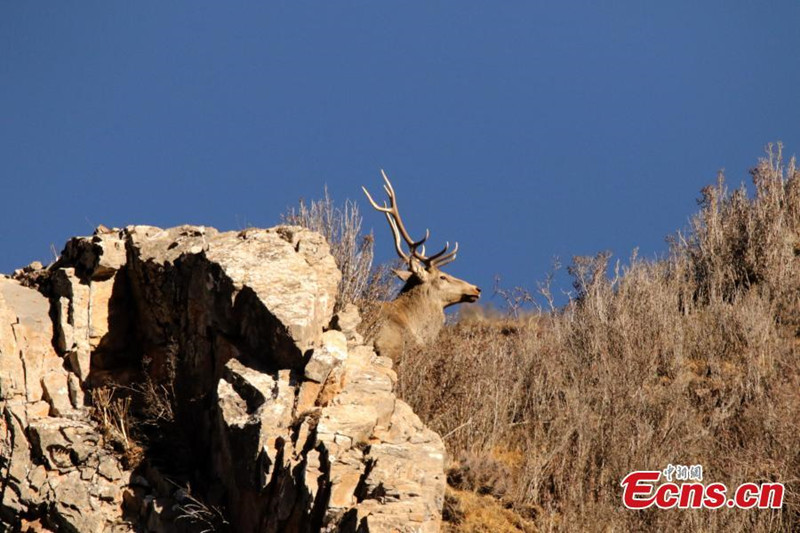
156,403
112,411
691,359
353,252
199,515
481,473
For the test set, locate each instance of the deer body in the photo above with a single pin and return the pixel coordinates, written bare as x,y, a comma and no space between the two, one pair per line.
416,316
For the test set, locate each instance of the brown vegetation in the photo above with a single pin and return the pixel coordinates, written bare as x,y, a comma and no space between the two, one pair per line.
112,412
688,360
353,252
691,359
363,283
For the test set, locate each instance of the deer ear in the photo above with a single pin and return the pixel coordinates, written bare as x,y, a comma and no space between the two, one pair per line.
402,274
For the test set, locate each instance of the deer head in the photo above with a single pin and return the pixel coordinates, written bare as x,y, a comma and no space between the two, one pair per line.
424,274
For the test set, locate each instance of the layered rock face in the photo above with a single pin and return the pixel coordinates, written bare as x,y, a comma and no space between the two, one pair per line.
274,417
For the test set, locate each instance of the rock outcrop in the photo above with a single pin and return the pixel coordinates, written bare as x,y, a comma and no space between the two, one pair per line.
186,379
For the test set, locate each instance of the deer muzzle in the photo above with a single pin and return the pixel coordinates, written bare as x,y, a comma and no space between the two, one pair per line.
472,296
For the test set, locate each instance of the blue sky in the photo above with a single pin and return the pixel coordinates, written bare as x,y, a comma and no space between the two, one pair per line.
523,130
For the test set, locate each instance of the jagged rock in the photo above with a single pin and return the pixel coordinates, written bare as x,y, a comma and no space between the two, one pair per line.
307,397
288,426
56,392
26,352
98,257
76,395
73,324
347,321
93,305
282,281
332,352
43,458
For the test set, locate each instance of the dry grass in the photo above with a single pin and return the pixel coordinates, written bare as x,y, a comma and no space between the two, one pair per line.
692,359
197,514
113,413
468,512
156,403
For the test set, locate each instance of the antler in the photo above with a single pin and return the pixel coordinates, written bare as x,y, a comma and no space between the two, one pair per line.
443,257
416,248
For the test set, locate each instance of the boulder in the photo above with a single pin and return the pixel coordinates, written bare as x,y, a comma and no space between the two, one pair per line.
225,345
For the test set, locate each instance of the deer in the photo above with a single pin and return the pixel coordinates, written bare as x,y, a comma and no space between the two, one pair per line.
416,316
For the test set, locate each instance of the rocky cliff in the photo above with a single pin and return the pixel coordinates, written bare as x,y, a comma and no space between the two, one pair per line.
186,379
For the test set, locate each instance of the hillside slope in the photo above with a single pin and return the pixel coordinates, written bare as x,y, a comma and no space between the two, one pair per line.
691,359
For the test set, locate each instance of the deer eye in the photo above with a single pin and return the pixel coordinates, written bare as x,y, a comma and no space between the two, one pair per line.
442,278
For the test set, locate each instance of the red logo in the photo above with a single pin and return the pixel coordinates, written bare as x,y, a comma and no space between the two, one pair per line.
640,491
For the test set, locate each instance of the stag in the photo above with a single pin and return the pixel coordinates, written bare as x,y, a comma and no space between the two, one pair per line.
416,316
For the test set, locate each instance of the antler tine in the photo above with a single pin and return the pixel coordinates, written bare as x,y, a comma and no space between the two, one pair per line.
440,253
375,205
397,218
388,186
394,211
416,248
442,263
413,246
396,235
442,259
420,244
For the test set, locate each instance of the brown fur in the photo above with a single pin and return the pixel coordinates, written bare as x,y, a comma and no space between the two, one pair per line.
416,316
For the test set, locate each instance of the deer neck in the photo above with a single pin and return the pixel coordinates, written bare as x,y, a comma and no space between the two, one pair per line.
423,313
